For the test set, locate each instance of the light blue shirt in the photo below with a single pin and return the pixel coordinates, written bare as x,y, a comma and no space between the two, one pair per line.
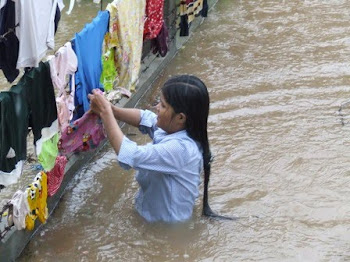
168,171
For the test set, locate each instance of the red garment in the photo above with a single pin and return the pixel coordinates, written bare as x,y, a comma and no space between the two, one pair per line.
55,176
154,18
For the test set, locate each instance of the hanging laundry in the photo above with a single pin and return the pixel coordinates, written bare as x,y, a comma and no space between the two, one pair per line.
32,193
36,86
35,31
40,181
153,19
56,175
8,41
63,64
36,194
126,35
13,134
189,9
109,71
20,209
9,178
160,43
87,45
83,134
49,152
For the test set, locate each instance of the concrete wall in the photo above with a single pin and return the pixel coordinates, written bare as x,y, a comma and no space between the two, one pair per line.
15,241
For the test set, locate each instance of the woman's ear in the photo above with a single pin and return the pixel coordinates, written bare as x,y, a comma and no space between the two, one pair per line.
182,118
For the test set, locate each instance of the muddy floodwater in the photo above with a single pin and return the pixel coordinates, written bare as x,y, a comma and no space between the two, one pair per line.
277,73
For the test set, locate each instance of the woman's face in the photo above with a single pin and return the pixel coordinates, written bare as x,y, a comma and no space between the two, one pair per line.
166,115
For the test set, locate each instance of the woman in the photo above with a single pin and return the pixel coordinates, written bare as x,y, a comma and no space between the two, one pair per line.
169,168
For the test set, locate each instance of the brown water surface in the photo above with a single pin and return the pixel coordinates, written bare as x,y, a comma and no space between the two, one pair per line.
277,72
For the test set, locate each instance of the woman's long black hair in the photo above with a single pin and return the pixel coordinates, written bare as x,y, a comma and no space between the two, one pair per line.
188,94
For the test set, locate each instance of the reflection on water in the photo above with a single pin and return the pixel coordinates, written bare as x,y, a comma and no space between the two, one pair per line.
277,73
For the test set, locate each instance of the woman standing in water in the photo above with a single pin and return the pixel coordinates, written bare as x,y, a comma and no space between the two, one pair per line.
168,170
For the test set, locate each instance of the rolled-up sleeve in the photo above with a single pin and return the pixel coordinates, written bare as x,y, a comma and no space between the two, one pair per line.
148,122
165,157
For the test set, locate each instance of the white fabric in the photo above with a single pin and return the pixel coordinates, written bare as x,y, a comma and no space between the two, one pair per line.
71,5
20,209
11,153
46,134
2,3
60,4
35,31
7,179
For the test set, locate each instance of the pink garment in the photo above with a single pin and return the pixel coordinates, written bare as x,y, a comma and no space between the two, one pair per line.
56,175
63,64
83,134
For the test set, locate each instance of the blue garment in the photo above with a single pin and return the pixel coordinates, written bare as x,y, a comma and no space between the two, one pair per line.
87,45
168,172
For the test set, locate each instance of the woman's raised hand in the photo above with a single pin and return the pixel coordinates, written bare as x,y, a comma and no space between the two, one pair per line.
98,103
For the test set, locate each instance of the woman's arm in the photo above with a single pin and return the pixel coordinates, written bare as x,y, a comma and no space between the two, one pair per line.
101,106
131,116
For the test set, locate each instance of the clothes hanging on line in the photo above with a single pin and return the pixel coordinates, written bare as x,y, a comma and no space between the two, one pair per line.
62,66
20,208
189,9
30,103
49,152
160,43
126,25
9,44
36,30
56,175
83,134
13,132
37,200
87,45
153,18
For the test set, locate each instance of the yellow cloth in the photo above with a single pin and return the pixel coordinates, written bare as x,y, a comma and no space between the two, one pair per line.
42,200
33,195
37,200
126,22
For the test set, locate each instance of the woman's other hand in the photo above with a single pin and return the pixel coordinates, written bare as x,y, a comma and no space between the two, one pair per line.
99,104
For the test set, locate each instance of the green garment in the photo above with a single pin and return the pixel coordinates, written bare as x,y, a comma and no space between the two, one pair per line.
109,71
49,152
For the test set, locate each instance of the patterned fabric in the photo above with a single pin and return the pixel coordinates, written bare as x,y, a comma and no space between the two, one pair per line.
56,175
189,9
37,199
154,18
126,35
83,134
109,71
